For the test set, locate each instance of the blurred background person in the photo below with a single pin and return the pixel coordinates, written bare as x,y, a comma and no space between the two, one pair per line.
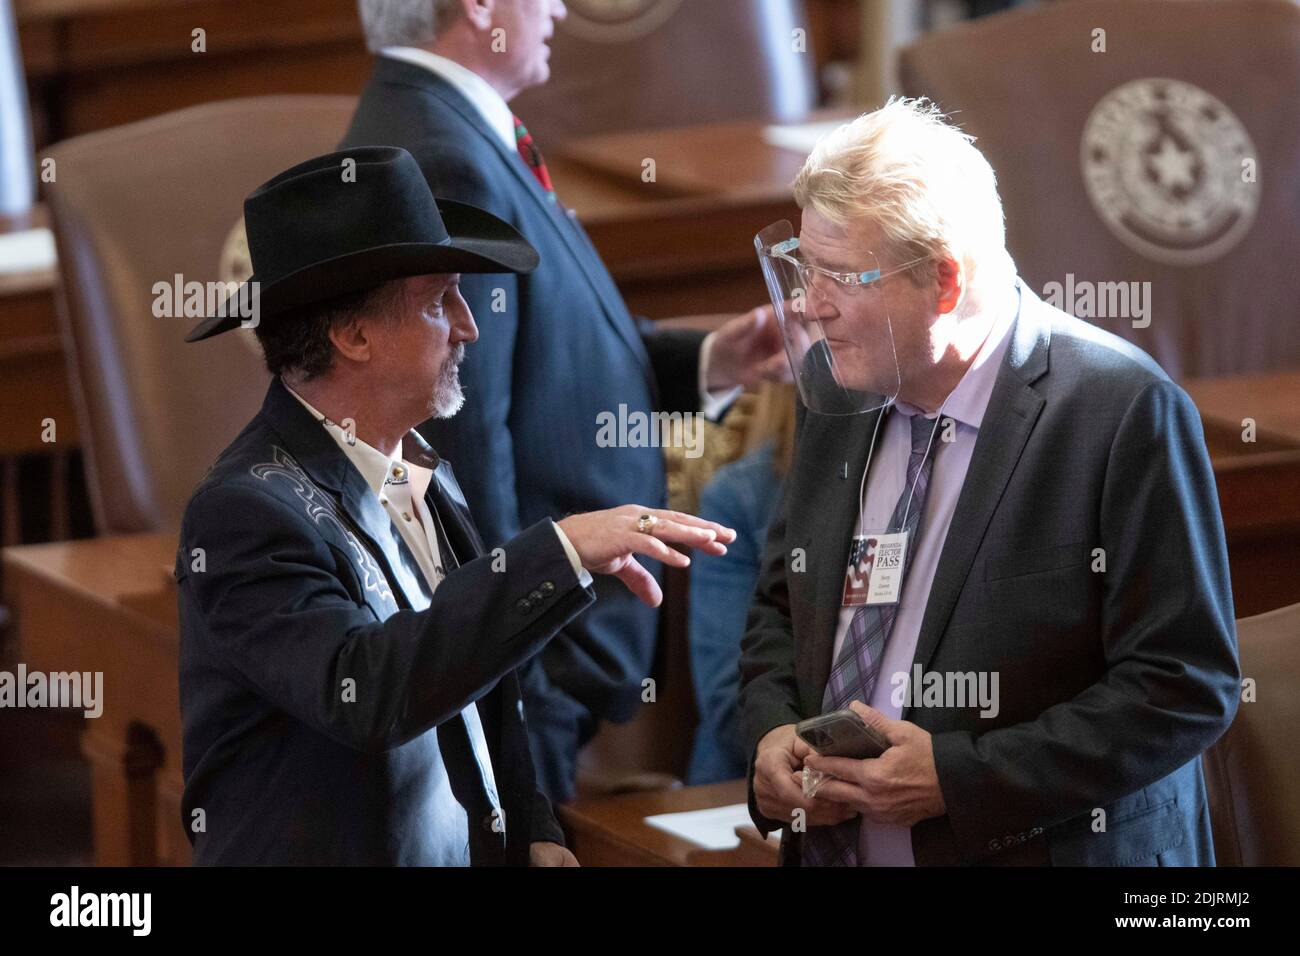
743,495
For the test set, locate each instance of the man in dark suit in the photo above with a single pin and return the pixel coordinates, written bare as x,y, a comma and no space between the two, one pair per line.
562,348
348,649
1059,648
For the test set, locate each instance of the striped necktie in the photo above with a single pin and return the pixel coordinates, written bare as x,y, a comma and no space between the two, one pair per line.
532,156
854,675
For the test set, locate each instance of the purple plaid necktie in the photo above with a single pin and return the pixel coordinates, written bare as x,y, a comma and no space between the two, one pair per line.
855,671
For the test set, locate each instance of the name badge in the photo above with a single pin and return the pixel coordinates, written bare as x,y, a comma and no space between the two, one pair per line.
875,570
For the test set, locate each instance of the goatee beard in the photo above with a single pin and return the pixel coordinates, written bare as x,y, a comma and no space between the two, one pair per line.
448,397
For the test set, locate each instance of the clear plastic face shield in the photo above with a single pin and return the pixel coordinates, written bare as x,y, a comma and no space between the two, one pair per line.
835,324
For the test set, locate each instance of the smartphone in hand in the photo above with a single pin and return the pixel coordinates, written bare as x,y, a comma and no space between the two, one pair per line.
841,733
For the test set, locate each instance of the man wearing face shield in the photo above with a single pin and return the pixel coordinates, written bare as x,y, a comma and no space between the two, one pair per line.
1000,544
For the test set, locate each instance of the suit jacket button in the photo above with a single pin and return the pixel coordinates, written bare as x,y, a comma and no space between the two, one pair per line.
547,588
524,606
994,845
536,597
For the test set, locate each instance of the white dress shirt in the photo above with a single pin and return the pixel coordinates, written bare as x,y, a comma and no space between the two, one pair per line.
400,487
882,844
496,113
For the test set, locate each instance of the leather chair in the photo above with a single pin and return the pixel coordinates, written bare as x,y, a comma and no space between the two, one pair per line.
650,64
1253,772
138,205
1111,173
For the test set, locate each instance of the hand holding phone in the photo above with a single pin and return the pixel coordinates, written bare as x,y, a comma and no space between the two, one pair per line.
841,733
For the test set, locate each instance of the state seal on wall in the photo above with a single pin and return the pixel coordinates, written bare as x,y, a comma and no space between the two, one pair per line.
1171,171
616,21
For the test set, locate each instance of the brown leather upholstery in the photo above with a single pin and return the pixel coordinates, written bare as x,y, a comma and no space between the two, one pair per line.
135,206
1253,772
648,64
1026,83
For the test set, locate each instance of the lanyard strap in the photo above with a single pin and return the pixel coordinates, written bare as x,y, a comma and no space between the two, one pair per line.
862,485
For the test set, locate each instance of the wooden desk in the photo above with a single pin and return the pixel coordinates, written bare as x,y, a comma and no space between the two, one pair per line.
1258,482
684,243
1271,399
92,64
613,832
699,160
105,605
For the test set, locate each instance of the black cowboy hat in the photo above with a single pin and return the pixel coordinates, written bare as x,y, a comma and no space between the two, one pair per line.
328,227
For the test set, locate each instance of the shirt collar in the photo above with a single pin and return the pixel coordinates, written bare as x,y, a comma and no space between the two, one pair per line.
375,467
489,103
968,401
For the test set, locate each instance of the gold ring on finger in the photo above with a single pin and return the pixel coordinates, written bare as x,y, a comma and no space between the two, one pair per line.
645,523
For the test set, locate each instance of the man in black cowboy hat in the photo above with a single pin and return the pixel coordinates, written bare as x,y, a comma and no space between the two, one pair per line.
348,650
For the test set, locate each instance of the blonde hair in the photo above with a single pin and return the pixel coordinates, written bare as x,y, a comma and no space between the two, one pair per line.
921,180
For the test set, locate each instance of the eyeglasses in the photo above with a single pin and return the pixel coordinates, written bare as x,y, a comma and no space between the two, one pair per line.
788,250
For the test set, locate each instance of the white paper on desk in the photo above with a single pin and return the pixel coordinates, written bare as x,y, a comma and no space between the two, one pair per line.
31,250
800,137
713,829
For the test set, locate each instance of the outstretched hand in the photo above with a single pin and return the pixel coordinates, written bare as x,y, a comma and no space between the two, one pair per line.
606,542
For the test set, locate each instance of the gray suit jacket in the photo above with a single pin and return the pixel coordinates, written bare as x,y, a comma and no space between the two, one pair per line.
1112,683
